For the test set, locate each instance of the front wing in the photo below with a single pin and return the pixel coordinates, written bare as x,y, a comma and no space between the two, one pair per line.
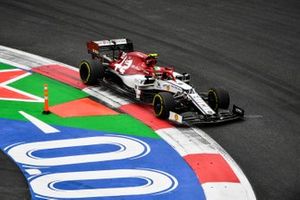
193,118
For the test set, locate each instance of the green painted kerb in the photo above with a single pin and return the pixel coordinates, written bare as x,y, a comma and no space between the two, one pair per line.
5,66
60,93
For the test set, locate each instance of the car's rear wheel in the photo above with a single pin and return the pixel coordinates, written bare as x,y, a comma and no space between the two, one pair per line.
218,98
163,103
91,70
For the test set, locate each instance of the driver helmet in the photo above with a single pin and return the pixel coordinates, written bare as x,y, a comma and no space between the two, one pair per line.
151,59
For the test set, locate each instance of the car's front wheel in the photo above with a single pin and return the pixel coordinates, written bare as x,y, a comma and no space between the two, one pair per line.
163,103
218,98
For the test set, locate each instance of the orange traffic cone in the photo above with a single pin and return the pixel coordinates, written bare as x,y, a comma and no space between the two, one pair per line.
46,100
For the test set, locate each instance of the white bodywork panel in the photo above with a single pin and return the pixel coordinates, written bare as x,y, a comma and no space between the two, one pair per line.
136,82
201,104
132,80
111,42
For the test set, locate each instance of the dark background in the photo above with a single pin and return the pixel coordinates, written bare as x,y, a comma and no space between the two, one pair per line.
252,48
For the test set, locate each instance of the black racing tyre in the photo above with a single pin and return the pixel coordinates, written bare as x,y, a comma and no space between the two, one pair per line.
218,98
90,71
163,103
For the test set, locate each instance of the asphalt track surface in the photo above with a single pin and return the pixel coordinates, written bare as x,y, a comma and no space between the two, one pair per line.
249,47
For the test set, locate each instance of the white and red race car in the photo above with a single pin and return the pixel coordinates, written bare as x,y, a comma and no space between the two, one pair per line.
115,64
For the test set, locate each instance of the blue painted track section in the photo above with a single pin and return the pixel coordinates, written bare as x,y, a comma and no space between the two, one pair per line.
157,158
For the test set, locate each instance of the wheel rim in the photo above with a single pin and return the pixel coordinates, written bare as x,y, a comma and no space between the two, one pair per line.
84,72
212,100
157,106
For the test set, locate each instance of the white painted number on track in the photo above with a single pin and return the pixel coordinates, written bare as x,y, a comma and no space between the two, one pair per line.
128,148
156,182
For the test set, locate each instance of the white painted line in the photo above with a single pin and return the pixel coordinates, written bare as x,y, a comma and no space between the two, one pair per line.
34,98
13,79
33,171
23,100
10,70
225,191
40,124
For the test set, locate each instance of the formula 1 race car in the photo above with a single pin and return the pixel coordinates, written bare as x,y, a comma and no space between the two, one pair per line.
115,64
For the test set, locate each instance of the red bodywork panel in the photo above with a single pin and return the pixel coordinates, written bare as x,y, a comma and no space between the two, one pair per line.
135,63
92,47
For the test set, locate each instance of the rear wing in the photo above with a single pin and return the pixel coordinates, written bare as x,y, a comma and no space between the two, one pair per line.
96,48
